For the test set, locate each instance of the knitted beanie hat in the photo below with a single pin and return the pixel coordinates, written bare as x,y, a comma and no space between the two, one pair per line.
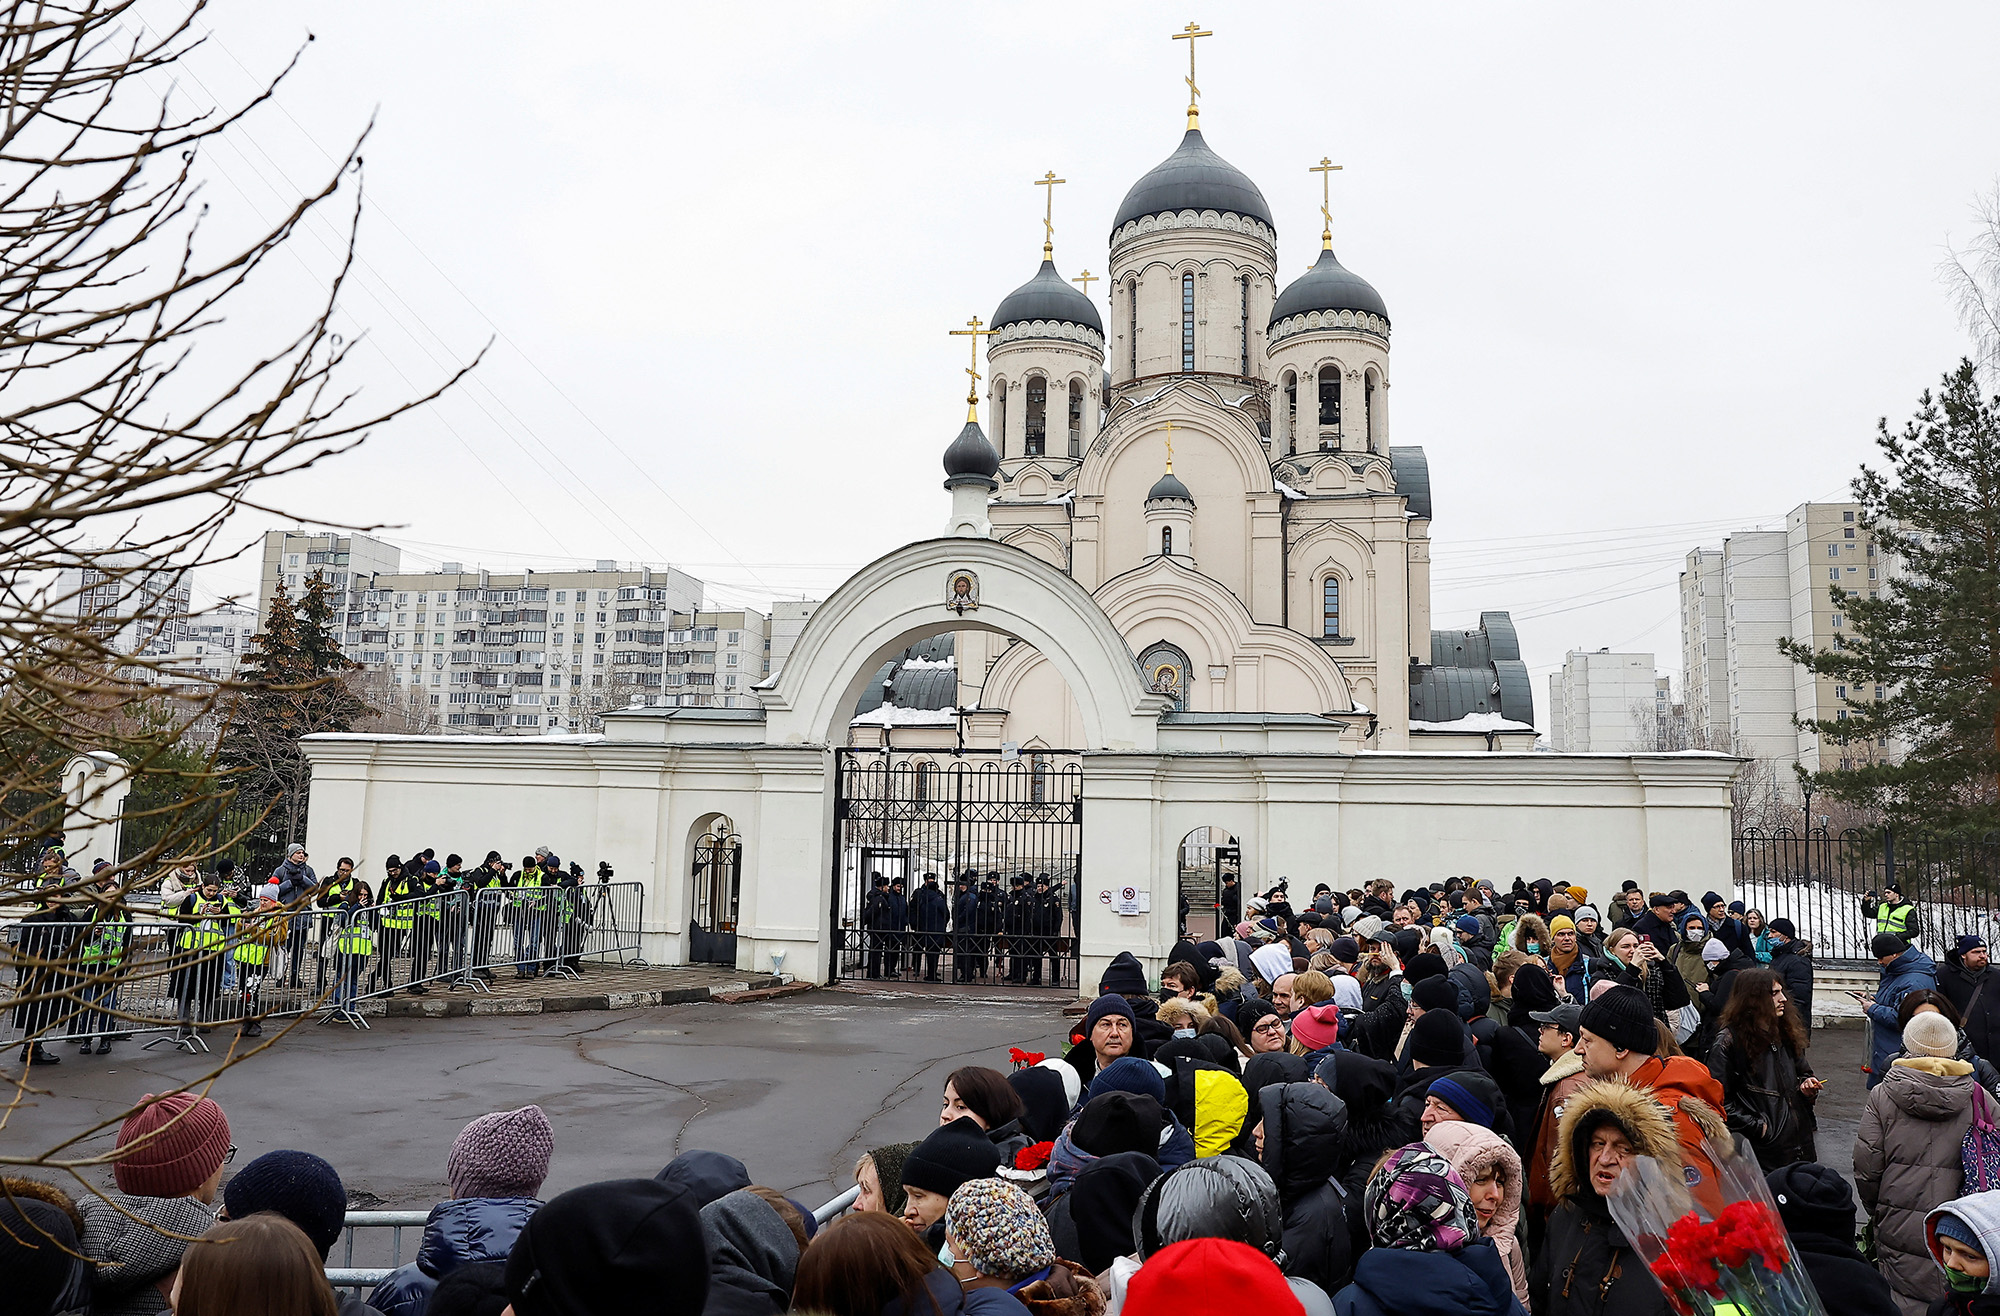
1001,1232
889,1174
1587,911
1930,1035
1128,1074
1434,994
38,1255
951,1155
1562,923
1205,1267
1623,1017
1317,1026
296,1185
1438,1038
170,1145
505,1154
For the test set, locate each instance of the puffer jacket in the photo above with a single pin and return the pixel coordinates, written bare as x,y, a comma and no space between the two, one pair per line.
1585,1266
1398,1282
1473,1151
134,1254
1792,962
459,1232
1304,1128
1906,1161
1908,972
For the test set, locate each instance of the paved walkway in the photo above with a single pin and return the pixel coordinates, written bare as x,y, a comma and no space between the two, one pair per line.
601,987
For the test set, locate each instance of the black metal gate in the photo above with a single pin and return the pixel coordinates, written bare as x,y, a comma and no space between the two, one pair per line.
718,889
1003,834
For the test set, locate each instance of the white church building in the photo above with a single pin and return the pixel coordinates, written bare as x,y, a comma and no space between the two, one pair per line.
1179,621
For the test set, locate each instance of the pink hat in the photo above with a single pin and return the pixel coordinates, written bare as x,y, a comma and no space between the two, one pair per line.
170,1145
1317,1026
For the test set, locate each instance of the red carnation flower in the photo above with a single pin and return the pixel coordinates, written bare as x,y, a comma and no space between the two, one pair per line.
1033,1157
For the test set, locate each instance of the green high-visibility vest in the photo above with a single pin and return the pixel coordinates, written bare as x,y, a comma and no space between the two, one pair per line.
1895,921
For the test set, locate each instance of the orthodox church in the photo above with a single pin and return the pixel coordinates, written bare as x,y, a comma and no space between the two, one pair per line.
1215,465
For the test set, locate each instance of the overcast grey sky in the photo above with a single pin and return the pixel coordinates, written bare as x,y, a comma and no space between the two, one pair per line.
1654,271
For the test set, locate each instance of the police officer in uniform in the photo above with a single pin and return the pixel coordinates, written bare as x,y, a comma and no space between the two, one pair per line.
930,912
1020,906
1048,929
875,921
964,913
899,920
991,921
1892,914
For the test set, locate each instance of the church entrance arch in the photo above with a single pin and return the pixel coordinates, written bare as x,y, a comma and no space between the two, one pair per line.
1000,830
1208,855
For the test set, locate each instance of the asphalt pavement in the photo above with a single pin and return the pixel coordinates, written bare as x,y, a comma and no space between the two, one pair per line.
796,1087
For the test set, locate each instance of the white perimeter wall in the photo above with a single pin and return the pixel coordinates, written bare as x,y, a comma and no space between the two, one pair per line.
1590,820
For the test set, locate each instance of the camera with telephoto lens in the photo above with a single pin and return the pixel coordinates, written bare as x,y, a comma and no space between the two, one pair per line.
603,870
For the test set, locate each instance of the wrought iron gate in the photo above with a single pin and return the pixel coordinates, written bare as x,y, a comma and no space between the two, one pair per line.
718,889
1010,823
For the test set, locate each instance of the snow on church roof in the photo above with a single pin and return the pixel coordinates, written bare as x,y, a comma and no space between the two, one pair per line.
888,715
1477,723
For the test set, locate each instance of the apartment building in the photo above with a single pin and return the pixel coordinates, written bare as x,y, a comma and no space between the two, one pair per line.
788,618
1603,703
1774,584
291,557
214,644
137,609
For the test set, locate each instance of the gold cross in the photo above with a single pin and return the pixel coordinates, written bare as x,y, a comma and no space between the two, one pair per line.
1325,169
1049,180
1189,34
1170,447
1086,279
972,329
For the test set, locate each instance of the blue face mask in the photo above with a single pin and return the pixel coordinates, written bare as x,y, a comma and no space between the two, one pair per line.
945,1258
1183,1032
1406,991
1532,948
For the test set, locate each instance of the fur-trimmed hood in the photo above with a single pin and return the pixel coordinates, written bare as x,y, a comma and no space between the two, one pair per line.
1568,1063
1643,1120
1228,982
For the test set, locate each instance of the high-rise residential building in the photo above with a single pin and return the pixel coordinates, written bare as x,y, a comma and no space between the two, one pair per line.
214,644
1704,650
530,652
788,618
1773,585
138,609
1603,703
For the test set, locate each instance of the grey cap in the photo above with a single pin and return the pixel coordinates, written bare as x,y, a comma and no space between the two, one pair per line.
1567,1017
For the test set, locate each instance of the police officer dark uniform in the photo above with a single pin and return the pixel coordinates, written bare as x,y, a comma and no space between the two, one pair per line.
1020,904
1048,929
964,941
990,921
929,915
899,919
875,921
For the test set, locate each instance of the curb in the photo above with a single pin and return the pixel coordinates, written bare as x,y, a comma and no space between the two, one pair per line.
407,1007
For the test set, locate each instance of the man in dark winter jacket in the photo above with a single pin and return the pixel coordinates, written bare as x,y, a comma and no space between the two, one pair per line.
966,961
1586,1266
929,914
1304,1128
1817,1207
1657,924
1791,960
875,921
1964,976
894,940
1905,969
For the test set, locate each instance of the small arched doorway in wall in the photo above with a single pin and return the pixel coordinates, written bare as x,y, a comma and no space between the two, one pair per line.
716,870
1208,855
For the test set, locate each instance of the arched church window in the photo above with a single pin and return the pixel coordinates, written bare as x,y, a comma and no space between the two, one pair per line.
1246,325
1166,541
1187,322
1291,412
1038,407
1132,328
1076,418
1329,397
1167,668
1330,607
1000,416
1368,408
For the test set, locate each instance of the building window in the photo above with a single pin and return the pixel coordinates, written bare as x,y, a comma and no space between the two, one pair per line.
1368,408
1132,329
1291,411
1848,533
1833,550
1076,418
1000,416
1187,322
1847,516
1833,573
1166,541
1330,607
1246,325
1038,407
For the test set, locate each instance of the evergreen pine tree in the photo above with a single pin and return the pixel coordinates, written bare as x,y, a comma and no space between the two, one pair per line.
1930,640
294,681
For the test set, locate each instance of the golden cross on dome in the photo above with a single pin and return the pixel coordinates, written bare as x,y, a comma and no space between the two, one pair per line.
975,332
1049,180
1086,279
1189,34
1325,169
1170,447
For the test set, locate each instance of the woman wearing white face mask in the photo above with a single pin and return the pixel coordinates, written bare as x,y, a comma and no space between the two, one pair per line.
995,1239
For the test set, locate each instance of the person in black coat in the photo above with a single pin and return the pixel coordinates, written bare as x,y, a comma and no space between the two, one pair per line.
1047,928
1518,1063
1019,902
964,941
929,915
1657,924
1817,1207
1791,960
1231,899
1967,979
1092,1222
875,921
1303,1125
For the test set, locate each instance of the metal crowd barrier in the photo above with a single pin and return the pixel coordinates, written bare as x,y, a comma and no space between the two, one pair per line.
349,1276
1021,959
181,977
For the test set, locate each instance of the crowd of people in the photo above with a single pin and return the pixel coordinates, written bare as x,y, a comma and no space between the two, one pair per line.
339,937
1380,1105
989,934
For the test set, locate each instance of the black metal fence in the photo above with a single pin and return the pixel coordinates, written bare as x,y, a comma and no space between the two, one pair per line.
1011,825
245,831
1819,880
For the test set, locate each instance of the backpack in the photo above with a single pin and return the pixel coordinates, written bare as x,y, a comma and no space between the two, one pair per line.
1979,1154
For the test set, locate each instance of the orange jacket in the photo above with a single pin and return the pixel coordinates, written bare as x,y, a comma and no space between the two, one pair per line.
1694,1099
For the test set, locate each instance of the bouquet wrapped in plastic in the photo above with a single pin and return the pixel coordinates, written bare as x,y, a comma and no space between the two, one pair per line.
1728,1256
